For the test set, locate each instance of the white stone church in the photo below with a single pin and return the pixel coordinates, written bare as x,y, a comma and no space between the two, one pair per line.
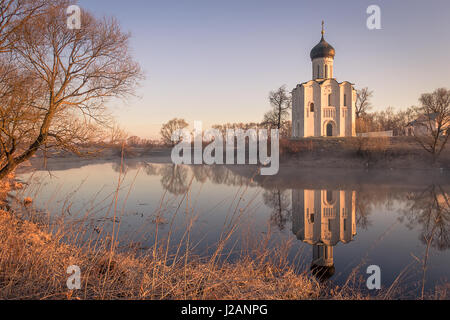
323,107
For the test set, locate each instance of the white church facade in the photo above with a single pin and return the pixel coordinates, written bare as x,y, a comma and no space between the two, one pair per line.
323,106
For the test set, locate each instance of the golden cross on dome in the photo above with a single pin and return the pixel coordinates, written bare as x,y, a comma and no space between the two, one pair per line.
323,30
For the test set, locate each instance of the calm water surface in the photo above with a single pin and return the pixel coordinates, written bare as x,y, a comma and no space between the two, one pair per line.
336,224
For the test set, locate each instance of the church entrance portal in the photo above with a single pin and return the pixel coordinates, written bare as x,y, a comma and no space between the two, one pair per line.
329,130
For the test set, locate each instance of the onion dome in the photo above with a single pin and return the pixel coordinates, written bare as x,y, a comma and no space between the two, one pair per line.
323,49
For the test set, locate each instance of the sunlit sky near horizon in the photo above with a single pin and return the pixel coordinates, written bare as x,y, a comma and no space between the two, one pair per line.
216,61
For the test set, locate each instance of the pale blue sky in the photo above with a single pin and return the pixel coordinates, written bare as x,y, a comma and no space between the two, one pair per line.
216,61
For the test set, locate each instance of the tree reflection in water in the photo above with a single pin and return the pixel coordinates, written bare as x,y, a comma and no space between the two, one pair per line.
279,202
429,210
176,178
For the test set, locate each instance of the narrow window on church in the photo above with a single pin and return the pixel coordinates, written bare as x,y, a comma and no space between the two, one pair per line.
326,71
329,99
345,100
311,107
329,196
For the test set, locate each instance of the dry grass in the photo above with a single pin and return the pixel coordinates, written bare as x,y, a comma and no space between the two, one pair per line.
372,149
33,265
359,152
292,147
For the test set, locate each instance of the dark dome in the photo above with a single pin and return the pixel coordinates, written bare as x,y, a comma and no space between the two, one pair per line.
323,50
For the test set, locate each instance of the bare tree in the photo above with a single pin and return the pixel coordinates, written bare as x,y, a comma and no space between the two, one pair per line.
134,141
435,121
13,14
68,76
286,129
169,128
388,119
116,134
403,119
363,104
281,102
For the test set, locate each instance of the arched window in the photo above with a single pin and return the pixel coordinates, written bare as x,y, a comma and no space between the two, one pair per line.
345,100
329,99
329,196
311,107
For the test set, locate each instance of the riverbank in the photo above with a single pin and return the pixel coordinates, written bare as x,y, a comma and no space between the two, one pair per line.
395,153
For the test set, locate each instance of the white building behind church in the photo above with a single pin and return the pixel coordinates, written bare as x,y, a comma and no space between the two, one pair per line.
323,106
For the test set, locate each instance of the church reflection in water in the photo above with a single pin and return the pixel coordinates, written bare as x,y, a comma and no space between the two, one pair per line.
323,218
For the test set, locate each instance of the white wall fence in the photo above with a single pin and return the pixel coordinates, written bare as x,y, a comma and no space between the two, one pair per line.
376,134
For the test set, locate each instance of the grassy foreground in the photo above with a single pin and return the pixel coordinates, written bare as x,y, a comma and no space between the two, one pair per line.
33,266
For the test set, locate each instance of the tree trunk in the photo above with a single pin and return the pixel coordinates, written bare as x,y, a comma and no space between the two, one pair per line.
279,117
40,140
12,165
